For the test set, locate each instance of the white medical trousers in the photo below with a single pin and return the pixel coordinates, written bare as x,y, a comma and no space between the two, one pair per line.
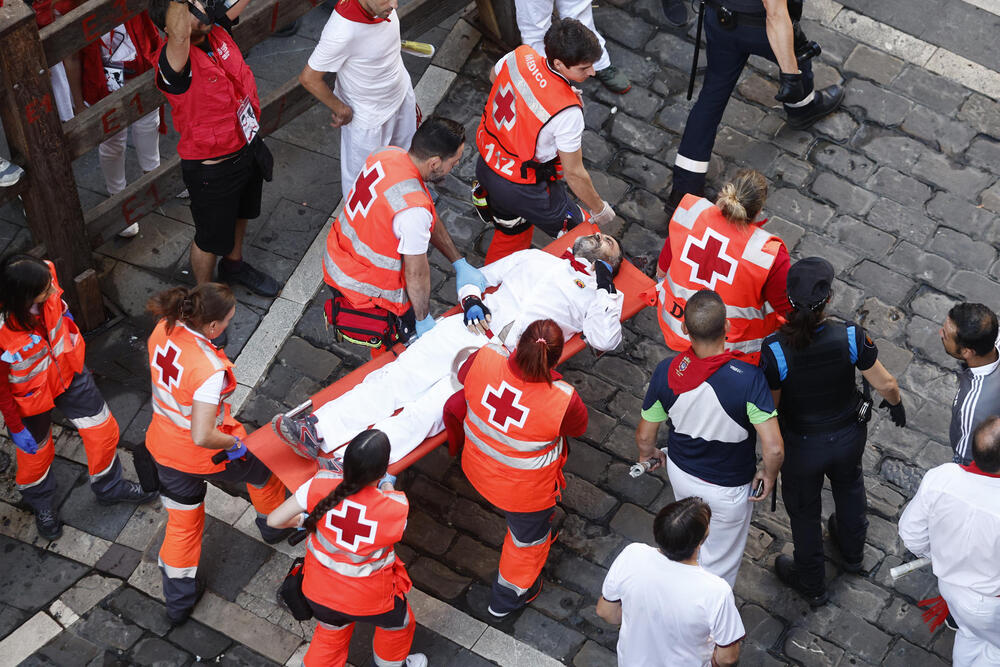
357,141
722,552
977,642
535,16
419,381
145,136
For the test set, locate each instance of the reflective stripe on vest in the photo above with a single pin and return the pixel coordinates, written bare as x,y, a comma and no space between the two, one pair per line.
732,312
503,438
356,558
342,279
165,405
347,569
529,463
37,370
524,90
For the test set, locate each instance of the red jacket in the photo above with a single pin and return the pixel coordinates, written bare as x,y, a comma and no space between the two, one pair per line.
146,39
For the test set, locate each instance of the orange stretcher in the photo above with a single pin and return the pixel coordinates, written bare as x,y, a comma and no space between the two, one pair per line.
295,470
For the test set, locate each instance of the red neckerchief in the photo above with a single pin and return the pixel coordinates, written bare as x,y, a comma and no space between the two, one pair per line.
353,11
574,262
688,370
974,469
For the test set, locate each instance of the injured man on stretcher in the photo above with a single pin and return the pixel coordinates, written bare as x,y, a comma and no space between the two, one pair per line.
576,290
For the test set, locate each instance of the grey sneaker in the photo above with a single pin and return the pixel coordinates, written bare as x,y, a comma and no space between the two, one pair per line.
614,80
10,173
300,434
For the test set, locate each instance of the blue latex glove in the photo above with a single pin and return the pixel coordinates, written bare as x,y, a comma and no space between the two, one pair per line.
466,274
24,441
237,451
387,479
425,325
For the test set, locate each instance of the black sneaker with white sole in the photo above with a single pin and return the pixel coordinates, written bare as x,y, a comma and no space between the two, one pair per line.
253,279
48,524
824,102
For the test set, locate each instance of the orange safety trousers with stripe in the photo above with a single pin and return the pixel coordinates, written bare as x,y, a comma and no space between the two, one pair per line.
390,645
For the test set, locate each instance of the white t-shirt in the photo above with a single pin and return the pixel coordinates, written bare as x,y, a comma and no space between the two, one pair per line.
672,613
210,390
563,132
371,78
412,227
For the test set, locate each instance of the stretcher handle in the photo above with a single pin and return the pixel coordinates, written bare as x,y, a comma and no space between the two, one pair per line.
906,568
219,456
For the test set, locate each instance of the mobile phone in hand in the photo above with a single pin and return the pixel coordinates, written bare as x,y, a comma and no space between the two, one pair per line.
759,490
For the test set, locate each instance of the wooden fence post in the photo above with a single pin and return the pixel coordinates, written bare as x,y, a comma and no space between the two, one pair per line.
34,132
499,18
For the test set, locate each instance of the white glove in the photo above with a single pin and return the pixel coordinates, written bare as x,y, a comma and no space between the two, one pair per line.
606,214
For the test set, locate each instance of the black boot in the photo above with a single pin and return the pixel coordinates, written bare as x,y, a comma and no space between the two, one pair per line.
127,492
824,102
272,535
48,524
784,567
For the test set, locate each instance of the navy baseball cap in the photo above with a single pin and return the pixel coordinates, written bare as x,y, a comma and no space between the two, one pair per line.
809,282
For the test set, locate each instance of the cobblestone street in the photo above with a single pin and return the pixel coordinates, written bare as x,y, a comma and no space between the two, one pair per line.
898,189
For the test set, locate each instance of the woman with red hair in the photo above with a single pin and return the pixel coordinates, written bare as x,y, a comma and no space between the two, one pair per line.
515,414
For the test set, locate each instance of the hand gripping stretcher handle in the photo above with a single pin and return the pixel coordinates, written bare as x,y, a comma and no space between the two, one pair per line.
906,568
220,455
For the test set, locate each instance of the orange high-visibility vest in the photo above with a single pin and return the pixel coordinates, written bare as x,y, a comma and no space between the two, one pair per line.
180,362
513,452
709,252
351,563
526,94
41,368
362,260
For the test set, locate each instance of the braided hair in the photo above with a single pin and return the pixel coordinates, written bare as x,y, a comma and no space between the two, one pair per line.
194,306
365,461
538,351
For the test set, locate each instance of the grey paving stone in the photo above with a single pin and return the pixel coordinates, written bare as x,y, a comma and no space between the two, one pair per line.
313,362
68,649
10,618
905,654
991,197
839,126
158,653
905,618
872,64
904,189
31,577
746,151
141,610
82,511
639,69
199,639
593,654
861,596
638,135
587,462
557,602
599,425
981,113
879,105
959,247
937,92
578,574
760,626
985,153
622,27
880,319
545,634
938,130
431,495
119,561
979,223
963,181
972,286
811,650
646,173
482,523
103,628
229,559
644,208
426,534
790,170
241,656
890,147
595,115
852,232
913,261
850,165
889,286
792,205
639,102
437,579
596,151
590,540
582,497
593,391
472,557
640,490
931,304
905,223
633,523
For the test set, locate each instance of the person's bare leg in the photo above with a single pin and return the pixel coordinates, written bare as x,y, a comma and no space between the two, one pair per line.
202,264
236,254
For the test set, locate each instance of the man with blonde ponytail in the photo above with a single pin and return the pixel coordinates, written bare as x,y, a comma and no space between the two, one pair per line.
722,247
193,436
351,573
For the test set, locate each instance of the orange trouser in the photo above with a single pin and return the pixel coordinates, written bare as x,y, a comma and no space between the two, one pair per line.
507,244
525,549
390,645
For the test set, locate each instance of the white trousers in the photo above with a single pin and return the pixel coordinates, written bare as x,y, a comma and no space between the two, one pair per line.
535,16
722,552
419,381
977,642
145,136
357,142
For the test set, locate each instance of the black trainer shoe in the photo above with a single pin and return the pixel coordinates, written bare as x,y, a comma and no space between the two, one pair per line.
180,617
48,524
784,567
951,623
253,279
676,12
127,492
272,535
824,102
300,434
532,593
853,567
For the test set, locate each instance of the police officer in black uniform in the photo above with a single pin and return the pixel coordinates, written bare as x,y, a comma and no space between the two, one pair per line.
809,364
735,30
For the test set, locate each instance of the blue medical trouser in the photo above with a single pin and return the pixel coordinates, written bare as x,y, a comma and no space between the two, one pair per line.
727,52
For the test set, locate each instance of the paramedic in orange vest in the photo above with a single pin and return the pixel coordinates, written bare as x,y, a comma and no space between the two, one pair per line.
351,572
530,139
723,248
376,251
215,108
41,367
517,416
193,428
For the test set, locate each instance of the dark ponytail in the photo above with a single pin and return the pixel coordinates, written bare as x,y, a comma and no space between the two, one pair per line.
538,351
801,325
365,460
195,307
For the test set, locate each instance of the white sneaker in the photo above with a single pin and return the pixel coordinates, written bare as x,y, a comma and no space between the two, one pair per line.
183,194
10,173
130,232
416,660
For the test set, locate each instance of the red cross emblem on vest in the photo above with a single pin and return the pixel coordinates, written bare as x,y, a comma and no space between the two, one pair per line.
349,523
363,193
708,259
165,361
504,111
503,404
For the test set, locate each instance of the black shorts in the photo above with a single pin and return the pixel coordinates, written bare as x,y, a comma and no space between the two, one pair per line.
221,194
